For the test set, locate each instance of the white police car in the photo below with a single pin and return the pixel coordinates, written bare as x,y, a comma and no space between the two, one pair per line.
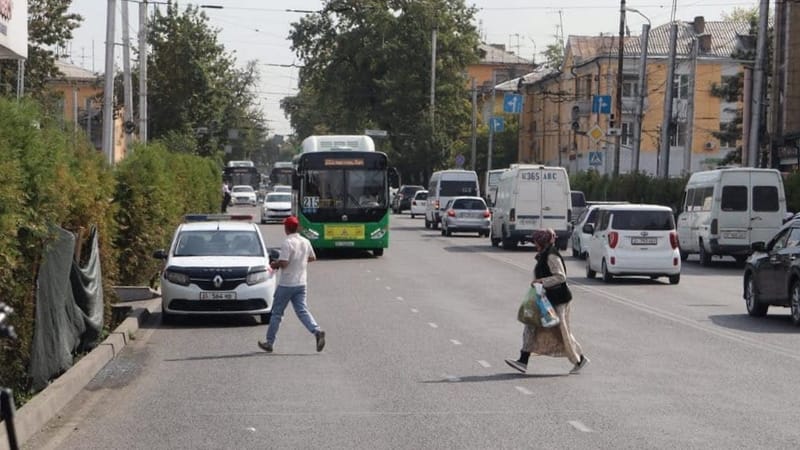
217,264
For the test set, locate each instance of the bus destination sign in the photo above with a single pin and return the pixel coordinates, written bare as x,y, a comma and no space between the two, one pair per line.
352,162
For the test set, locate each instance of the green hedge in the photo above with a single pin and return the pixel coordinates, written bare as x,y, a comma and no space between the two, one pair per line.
53,176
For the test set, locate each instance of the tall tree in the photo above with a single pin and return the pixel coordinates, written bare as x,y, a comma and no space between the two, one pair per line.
49,27
195,87
366,64
554,53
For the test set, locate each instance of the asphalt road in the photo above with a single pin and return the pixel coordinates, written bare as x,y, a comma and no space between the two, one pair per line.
414,359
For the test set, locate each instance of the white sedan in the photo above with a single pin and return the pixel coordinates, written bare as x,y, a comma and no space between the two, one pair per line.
243,195
217,264
277,206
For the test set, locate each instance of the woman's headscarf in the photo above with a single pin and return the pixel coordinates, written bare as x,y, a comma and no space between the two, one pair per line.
544,237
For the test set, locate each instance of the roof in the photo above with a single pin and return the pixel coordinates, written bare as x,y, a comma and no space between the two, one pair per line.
531,78
493,55
639,207
72,72
724,39
587,48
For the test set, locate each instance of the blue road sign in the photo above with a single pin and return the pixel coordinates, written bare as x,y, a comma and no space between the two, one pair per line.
460,160
595,159
512,103
497,124
601,104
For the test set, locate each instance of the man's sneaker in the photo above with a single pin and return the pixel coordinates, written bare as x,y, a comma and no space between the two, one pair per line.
580,365
522,367
320,340
266,346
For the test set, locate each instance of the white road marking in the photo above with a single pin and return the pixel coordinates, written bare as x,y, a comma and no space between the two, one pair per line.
388,288
414,310
400,298
433,325
251,429
455,342
580,426
523,390
377,279
452,378
484,363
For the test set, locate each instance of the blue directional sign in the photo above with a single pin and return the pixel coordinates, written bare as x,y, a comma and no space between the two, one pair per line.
512,103
595,159
497,124
601,104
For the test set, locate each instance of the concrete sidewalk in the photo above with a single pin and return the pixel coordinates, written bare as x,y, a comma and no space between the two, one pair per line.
46,404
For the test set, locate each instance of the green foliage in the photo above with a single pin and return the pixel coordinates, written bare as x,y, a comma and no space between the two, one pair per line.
554,53
791,187
366,65
632,187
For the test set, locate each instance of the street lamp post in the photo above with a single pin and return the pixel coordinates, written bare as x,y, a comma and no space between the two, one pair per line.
637,136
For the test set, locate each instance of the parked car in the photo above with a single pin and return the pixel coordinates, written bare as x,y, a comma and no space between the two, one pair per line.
217,264
418,203
466,214
243,195
402,200
277,206
633,240
580,239
578,204
772,273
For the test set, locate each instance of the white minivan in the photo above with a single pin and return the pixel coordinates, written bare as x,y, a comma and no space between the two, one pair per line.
726,210
633,240
530,197
445,185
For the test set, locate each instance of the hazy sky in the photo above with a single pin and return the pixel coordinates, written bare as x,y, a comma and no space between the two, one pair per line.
257,30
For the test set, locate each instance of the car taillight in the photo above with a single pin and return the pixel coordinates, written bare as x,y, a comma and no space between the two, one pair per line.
673,239
512,215
487,213
613,239
714,226
451,213
414,202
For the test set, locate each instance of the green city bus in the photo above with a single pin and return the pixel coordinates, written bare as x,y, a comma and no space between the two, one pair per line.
341,193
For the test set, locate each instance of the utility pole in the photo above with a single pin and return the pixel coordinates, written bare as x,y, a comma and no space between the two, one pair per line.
143,71
491,125
618,93
558,128
127,83
433,77
758,86
474,123
689,144
108,88
20,78
637,136
666,123
747,102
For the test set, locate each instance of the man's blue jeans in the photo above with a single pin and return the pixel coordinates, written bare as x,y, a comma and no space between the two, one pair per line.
284,295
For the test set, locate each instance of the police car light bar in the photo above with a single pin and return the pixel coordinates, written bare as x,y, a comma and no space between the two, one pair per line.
216,217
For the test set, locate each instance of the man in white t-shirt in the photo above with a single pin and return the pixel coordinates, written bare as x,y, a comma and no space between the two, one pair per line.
296,252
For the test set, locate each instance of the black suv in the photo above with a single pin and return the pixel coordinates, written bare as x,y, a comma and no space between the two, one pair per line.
772,274
402,200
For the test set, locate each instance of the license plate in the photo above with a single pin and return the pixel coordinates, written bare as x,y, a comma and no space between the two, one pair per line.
644,241
218,296
346,232
344,244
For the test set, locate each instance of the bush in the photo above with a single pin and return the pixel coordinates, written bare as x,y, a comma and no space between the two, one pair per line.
632,187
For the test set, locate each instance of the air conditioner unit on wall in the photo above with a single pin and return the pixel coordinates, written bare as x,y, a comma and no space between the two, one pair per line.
709,145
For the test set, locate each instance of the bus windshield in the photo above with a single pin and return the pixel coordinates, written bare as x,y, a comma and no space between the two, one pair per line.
332,193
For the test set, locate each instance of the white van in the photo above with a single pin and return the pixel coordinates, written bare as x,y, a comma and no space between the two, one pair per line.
445,185
530,197
726,210
492,180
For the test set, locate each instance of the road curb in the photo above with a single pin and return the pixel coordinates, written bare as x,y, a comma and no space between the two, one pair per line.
46,404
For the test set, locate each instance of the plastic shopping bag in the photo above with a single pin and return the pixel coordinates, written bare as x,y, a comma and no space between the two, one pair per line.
528,311
547,313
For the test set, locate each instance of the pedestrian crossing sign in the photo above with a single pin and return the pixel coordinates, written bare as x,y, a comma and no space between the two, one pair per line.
595,159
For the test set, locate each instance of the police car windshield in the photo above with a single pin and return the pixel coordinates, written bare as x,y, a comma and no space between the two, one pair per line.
219,243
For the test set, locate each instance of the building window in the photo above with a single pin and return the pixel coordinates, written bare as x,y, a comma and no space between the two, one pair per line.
726,135
626,133
630,86
680,87
678,136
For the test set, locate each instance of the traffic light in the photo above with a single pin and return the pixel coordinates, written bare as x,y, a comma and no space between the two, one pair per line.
611,122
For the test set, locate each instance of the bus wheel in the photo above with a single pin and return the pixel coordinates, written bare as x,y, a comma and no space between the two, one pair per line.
377,251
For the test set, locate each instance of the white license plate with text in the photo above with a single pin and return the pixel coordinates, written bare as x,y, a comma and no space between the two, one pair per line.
218,296
644,241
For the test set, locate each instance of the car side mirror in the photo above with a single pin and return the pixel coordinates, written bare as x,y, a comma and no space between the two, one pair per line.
273,254
588,228
160,254
758,246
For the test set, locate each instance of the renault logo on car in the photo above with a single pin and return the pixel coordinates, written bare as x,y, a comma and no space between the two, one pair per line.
644,233
217,281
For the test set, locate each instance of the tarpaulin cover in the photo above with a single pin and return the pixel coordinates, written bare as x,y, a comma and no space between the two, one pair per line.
69,308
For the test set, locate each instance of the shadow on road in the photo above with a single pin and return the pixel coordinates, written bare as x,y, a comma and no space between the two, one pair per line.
237,356
495,377
194,322
773,323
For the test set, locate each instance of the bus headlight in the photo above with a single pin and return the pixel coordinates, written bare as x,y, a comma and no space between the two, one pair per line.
378,234
310,234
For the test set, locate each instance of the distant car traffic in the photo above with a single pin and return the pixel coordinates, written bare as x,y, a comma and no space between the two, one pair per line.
281,188
402,200
243,195
419,203
772,273
466,214
277,206
216,264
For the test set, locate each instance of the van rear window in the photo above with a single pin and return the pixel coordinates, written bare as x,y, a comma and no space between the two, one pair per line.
734,198
643,220
765,198
458,188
